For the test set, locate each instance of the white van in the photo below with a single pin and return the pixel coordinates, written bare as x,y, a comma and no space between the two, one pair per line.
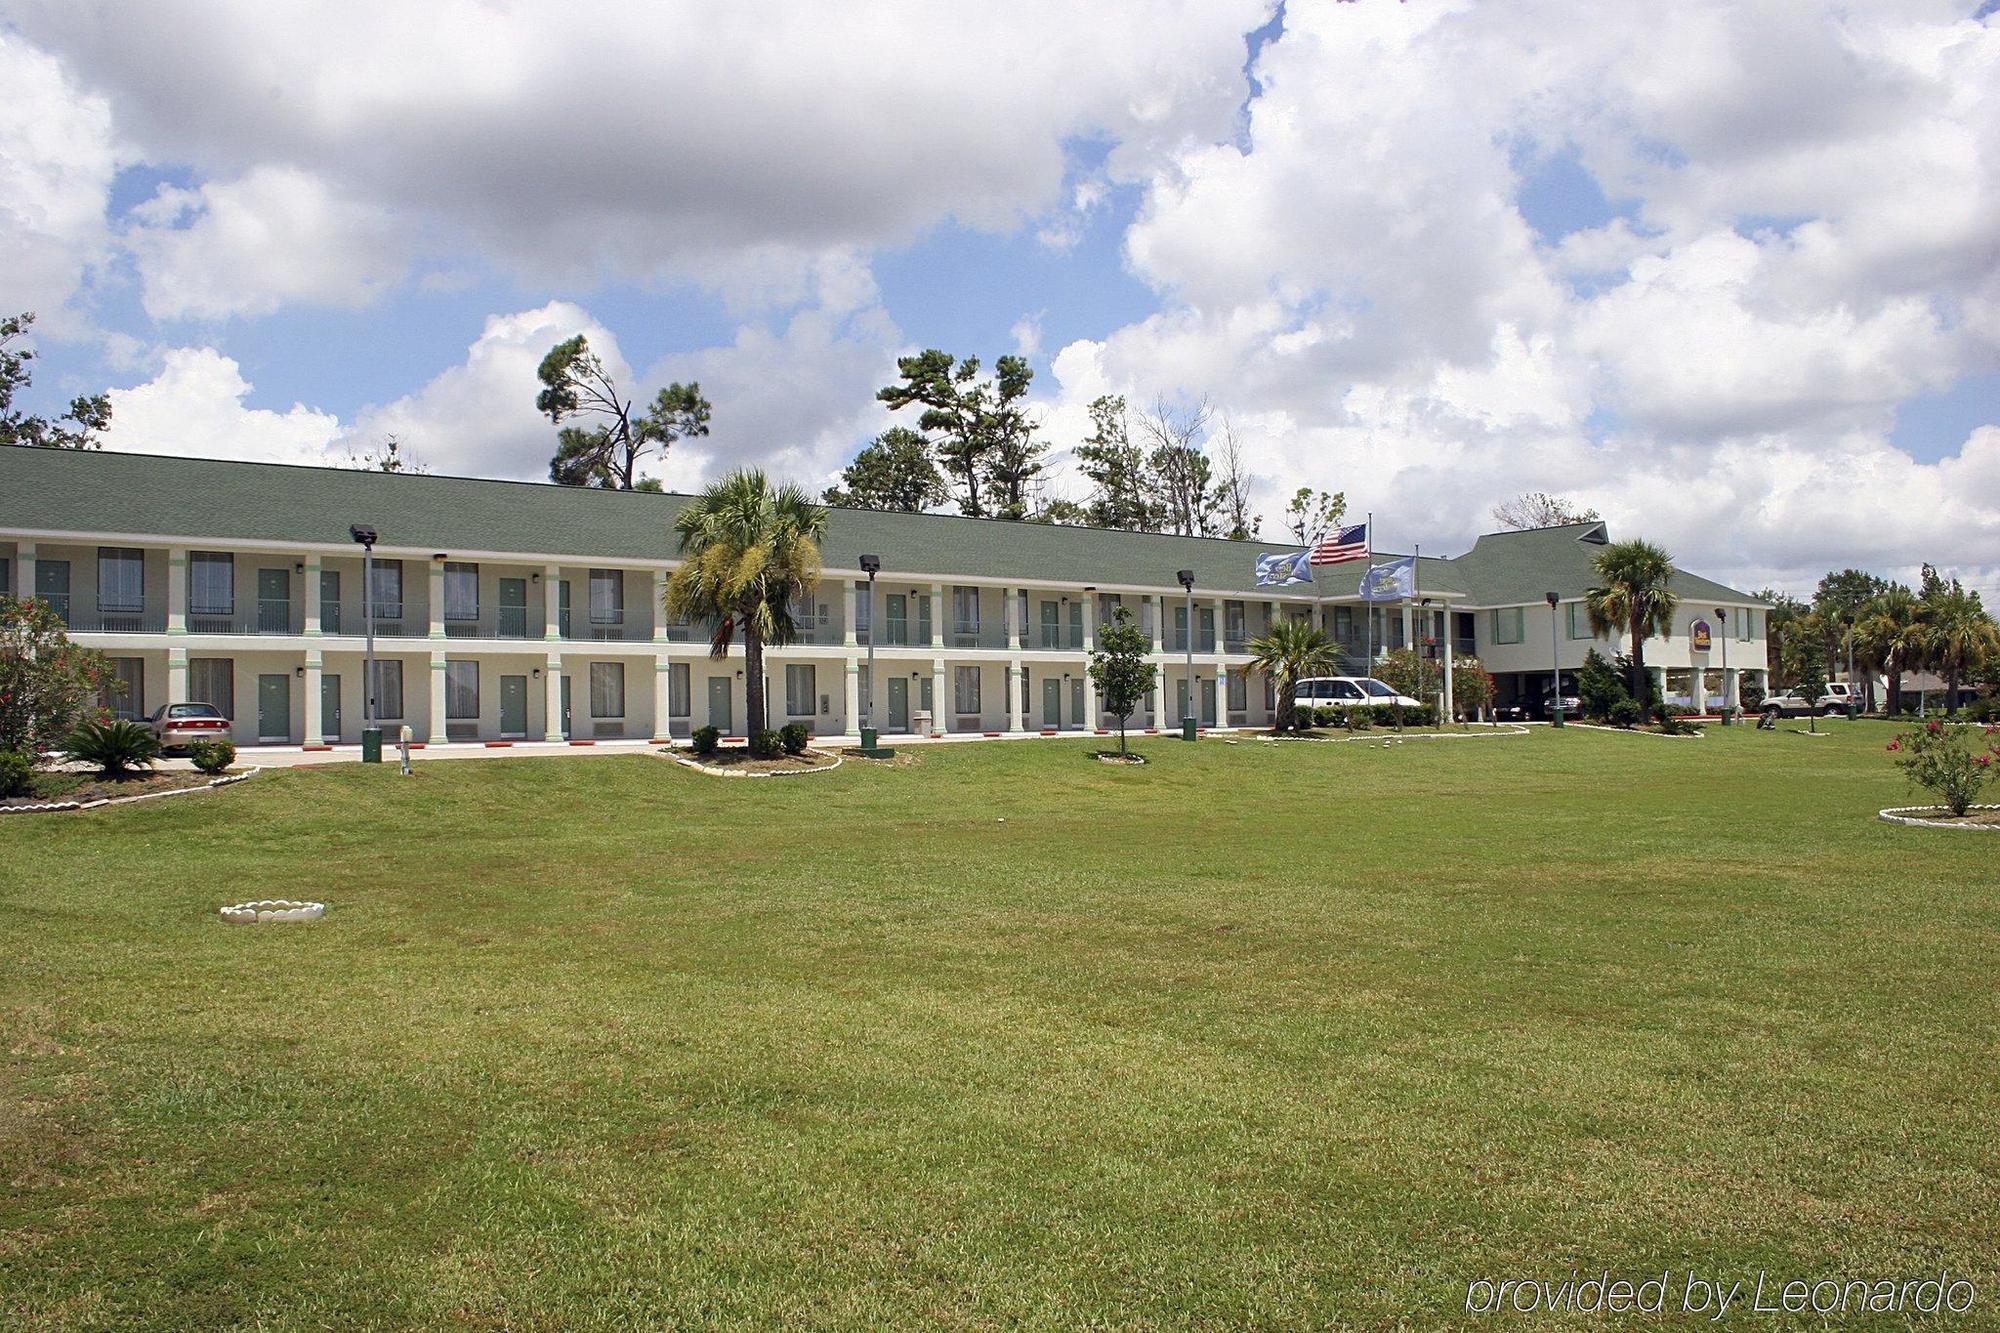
1346,691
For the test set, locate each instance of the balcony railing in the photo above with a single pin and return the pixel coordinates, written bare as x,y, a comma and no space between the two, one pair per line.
392,621
604,627
111,622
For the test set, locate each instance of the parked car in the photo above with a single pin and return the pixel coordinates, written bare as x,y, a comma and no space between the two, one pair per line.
1787,703
1839,694
1346,691
177,726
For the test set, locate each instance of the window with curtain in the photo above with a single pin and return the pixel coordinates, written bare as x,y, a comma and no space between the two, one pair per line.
1746,624
1507,624
211,583
388,688
212,680
965,610
607,689
125,692
864,612
121,579
965,689
679,690
801,689
607,607
461,691
386,591
1578,616
1239,691
461,590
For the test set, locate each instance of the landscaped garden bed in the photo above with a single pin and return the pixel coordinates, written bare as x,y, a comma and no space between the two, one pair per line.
769,754
81,788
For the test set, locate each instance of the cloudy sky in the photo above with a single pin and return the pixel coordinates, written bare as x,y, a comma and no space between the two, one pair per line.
1728,270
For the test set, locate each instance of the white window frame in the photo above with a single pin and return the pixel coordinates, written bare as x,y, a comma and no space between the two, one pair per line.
213,561
457,573
1513,616
604,677
461,701
126,594
796,675
964,685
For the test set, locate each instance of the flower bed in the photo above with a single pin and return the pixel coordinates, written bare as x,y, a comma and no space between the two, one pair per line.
739,763
90,793
1979,817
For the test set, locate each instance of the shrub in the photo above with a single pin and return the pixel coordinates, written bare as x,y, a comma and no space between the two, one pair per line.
1672,718
213,756
1388,715
1326,716
1419,715
795,735
117,748
1360,719
17,772
1750,696
1946,762
48,685
1625,712
1986,708
766,744
707,740
1599,688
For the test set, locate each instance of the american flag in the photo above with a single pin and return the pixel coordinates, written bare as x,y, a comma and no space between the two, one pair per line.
1344,545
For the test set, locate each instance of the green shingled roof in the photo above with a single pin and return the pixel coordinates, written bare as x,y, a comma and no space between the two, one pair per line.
147,495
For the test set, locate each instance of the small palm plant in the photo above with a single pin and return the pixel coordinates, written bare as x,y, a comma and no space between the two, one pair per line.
117,748
1287,652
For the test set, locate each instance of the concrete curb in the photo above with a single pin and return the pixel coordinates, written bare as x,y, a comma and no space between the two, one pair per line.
700,767
1635,731
1390,735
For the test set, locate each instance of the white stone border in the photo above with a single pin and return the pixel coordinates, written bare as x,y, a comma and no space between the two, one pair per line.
1694,735
50,807
700,767
260,910
1131,759
1901,814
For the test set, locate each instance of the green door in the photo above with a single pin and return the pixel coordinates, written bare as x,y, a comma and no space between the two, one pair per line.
899,618
923,602
1051,701
1208,701
513,623
274,601
329,708
1076,702
52,586
513,707
899,703
1075,630
274,708
1051,625
565,707
329,601
718,703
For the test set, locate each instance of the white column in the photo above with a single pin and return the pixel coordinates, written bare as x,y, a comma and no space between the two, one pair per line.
1698,693
1089,703
943,706
940,608
437,732
1156,701
177,675
1221,614
315,732
660,577
1445,650
1012,606
663,695
1090,622
1013,688
24,565
852,725
1409,625
314,612
435,592
1732,688
177,589
1159,623
1659,684
848,606
552,616
552,671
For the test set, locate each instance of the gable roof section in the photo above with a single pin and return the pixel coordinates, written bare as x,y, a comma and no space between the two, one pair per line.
1518,568
150,495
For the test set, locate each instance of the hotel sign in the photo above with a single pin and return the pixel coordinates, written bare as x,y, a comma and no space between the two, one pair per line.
1700,639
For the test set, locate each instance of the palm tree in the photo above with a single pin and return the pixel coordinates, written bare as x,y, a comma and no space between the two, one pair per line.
1959,638
1634,598
1287,651
1891,633
748,552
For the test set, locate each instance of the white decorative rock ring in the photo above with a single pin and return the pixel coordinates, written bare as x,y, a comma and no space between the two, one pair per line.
273,909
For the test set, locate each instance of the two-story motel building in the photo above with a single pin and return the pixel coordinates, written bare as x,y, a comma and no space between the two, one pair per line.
524,611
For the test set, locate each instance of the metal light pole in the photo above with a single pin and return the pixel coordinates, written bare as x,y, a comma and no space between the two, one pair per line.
371,730
1722,628
1555,665
871,565
1186,576
1853,708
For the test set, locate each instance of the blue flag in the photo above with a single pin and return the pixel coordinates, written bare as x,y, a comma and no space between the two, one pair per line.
1391,582
1282,571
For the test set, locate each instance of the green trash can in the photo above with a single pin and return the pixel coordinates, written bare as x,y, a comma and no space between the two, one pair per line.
371,745
868,740
1853,710
1187,728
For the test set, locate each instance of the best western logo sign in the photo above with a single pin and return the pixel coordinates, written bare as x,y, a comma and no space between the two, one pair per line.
1700,639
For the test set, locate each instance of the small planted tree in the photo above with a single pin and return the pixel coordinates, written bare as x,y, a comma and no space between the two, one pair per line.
1471,685
1120,670
1599,688
1289,651
48,685
1947,762
116,748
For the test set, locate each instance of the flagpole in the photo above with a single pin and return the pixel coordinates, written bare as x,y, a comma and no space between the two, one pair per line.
1367,603
1417,607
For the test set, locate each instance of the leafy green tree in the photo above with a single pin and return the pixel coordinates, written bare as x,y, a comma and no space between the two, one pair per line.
87,417
749,554
605,447
1634,596
1598,686
1471,685
48,685
1288,652
1116,468
980,429
895,472
1784,624
1890,636
1310,514
1537,509
1959,637
1120,670
1062,513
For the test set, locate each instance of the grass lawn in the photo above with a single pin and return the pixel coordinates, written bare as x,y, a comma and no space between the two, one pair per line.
1268,1035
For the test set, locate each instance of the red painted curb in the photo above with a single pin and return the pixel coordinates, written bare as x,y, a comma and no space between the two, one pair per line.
583,742
990,734
315,748
499,745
